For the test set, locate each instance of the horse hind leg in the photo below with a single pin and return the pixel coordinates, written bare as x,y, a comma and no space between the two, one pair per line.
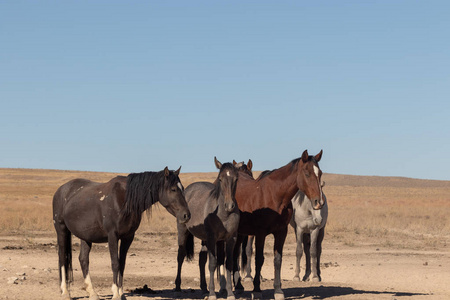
85,249
64,239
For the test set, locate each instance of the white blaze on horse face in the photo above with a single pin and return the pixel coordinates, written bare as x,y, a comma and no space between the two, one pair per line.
228,173
102,197
180,186
316,170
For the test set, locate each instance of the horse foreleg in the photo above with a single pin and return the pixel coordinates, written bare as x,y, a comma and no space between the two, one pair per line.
259,261
280,237
124,246
239,288
211,244
298,252
316,251
85,249
231,242
202,258
183,235
220,266
113,244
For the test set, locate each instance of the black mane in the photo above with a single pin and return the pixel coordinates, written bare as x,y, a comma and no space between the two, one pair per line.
293,164
142,191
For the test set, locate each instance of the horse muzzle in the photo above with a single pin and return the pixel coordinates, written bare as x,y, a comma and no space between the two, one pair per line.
318,204
230,206
184,217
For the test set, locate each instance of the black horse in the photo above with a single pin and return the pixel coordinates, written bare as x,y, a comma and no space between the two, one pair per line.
108,212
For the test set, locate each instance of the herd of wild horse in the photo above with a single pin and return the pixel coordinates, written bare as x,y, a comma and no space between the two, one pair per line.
225,215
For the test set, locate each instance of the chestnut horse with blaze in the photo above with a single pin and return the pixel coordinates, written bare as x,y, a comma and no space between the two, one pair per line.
266,208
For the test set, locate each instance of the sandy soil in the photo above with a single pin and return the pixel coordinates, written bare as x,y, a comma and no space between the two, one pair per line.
355,272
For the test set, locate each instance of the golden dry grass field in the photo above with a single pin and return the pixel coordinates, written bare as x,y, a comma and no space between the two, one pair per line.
371,216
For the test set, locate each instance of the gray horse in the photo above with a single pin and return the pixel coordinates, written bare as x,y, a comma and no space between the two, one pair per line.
214,217
309,225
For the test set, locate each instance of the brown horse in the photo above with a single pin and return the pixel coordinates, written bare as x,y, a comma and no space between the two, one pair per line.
265,207
108,212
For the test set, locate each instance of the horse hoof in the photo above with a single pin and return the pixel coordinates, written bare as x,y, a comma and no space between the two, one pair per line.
66,297
239,291
248,279
256,295
296,278
279,296
212,297
315,279
231,298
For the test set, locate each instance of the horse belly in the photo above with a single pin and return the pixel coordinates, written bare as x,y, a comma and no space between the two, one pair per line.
85,222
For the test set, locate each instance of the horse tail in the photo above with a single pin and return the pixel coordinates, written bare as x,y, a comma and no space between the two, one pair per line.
190,246
68,258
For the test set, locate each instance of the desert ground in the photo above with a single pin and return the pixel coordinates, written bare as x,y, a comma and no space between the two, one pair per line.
386,238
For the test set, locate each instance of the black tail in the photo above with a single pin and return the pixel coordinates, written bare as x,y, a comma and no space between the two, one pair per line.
190,247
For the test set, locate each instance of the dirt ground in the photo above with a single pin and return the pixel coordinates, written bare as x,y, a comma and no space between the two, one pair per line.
348,272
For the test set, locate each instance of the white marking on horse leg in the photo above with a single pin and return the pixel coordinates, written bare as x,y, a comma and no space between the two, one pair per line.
64,290
89,287
316,170
121,291
115,291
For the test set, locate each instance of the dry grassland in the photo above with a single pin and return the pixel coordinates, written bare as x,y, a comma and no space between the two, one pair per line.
364,210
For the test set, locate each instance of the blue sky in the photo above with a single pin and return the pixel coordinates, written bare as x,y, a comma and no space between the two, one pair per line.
130,86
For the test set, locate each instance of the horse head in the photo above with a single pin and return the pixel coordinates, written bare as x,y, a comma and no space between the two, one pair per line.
172,196
228,176
309,178
246,168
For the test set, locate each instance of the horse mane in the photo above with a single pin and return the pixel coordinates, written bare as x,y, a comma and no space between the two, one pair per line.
293,164
142,191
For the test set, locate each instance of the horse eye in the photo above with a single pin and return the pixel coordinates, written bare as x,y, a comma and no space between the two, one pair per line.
174,189
307,174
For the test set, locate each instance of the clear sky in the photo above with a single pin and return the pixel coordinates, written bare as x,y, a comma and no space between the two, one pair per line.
131,86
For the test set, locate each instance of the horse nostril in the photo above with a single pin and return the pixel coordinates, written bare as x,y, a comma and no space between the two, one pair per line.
187,216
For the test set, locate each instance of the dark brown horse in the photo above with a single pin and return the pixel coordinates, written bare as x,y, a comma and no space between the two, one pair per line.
215,217
265,207
109,212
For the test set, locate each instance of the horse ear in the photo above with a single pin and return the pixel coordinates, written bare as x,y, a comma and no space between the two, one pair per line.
249,165
177,172
305,156
234,162
218,163
318,156
166,171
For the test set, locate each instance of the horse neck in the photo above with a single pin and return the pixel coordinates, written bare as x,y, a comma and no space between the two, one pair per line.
283,183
